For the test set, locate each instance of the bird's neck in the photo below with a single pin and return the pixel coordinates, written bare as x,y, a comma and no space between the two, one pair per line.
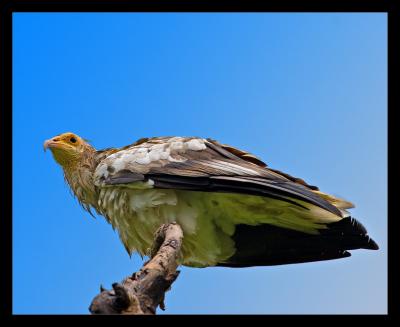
79,176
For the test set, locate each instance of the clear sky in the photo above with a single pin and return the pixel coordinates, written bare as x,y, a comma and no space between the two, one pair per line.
307,93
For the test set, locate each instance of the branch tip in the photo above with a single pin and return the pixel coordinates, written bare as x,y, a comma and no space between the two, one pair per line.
144,291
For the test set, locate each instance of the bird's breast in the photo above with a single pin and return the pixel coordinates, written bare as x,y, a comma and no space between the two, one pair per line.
138,213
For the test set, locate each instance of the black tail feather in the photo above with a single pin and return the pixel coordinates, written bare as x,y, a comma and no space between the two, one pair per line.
266,245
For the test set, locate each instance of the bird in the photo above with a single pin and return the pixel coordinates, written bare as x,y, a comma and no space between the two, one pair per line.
234,210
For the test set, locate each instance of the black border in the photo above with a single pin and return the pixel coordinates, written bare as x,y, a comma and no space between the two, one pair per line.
7,8
201,6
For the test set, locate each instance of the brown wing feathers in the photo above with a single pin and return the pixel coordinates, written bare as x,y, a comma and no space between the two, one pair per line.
220,168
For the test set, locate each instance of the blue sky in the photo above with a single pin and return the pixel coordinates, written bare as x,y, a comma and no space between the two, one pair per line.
305,92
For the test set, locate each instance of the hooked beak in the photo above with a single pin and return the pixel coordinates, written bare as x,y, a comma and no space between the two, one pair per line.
50,144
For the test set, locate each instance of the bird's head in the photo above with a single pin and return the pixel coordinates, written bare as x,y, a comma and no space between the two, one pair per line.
67,148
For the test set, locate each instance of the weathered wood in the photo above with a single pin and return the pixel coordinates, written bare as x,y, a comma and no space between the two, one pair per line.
144,291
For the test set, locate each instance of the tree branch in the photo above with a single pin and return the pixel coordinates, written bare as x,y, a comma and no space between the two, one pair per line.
144,291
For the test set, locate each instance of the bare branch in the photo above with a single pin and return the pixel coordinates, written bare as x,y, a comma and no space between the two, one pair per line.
145,290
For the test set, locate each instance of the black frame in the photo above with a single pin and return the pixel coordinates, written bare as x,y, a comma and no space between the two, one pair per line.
7,8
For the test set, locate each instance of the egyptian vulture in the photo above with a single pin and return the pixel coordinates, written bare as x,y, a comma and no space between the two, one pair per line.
234,210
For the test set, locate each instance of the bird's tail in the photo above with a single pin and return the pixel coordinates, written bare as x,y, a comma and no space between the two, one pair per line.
266,245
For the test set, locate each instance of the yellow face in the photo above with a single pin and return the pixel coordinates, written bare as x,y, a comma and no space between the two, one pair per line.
66,148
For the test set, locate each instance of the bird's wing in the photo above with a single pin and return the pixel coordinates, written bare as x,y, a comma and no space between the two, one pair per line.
202,165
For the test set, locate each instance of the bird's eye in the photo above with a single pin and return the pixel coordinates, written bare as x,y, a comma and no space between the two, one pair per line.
72,140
